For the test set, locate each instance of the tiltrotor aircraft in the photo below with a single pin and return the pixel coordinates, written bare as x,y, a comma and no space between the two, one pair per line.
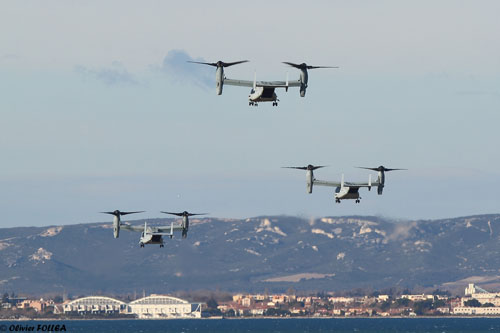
262,91
345,190
149,234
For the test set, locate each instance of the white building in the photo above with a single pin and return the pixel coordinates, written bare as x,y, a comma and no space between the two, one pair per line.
383,298
467,310
341,299
415,298
94,305
163,306
154,306
481,295
247,301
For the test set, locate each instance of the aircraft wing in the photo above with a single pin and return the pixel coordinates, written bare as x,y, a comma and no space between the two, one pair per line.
326,183
166,229
265,84
151,229
137,228
241,83
160,233
358,185
347,184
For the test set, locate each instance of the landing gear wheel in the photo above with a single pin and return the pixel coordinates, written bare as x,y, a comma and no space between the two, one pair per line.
357,201
337,200
161,245
250,103
141,244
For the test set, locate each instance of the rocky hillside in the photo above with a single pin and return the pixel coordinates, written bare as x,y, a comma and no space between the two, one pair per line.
273,253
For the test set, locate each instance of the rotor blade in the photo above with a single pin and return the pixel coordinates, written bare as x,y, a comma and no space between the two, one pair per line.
204,63
177,214
126,213
314,67
193,214
292,64
309,167
373,169
380,168
227,64
110,213
319,166
305,66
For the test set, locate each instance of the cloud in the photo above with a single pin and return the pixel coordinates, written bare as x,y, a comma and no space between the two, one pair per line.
113,75
175,65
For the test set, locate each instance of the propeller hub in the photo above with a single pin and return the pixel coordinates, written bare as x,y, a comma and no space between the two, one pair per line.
117,213
381,169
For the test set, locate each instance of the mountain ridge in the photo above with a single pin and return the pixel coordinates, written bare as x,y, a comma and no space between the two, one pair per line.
271,253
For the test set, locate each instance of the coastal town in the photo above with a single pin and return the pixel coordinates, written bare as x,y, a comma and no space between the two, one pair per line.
475,302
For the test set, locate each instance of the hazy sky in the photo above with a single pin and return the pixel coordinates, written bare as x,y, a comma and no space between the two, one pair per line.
100,111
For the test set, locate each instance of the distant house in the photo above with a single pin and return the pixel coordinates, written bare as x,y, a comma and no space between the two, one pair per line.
443,310
383,298
247,302
37,305
344,300
422,297
258,310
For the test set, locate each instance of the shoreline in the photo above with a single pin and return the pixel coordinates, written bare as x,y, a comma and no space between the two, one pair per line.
246,318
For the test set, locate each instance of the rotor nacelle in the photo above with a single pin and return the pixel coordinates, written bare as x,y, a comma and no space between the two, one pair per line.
309,175
219,80
380,189
219,72
117,220
116,226
185,225
309,181
304,77
381,176
185,220
303,88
